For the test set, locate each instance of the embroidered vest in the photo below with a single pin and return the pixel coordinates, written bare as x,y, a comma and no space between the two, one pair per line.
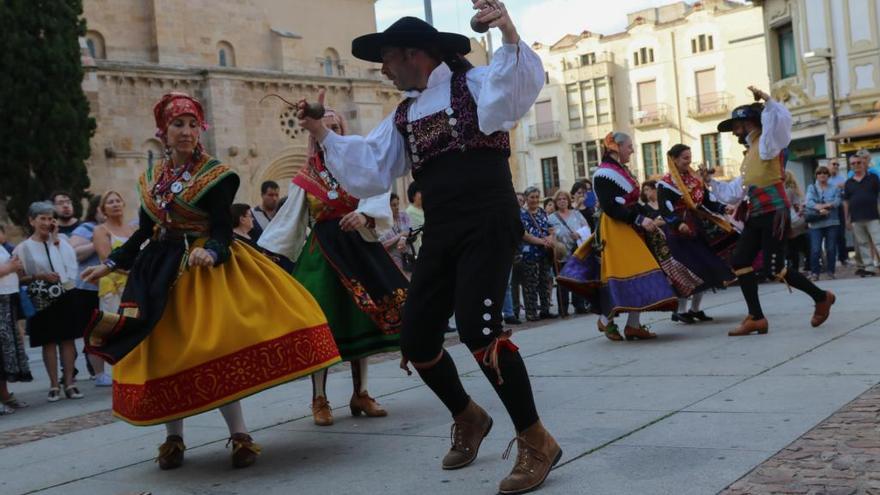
183,216
454,129
763,180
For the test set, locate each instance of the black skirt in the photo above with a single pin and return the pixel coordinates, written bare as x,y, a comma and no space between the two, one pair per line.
65,319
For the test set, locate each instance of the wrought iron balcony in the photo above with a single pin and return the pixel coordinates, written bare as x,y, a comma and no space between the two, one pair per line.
658,114
709,105
544,132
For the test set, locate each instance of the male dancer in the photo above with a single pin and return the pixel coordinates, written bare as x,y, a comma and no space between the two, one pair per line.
766,132
451,131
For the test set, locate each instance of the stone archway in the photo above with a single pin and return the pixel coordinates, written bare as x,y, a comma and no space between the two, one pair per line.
282,168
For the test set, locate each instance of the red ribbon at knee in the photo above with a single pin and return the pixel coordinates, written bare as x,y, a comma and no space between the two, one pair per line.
488,356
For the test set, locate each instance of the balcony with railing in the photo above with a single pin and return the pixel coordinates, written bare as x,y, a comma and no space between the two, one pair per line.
658,114
544,132
600,66
709,105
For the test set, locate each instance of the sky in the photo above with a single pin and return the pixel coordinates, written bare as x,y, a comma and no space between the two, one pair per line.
537,20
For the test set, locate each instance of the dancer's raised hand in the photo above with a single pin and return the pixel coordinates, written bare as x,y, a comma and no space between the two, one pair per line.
315,126
493,13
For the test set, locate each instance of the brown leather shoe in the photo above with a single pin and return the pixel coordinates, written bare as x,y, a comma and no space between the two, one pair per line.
537,453
823,309
468,431
171,453
612,332
638,333
363,403
749,326
244,450
321,411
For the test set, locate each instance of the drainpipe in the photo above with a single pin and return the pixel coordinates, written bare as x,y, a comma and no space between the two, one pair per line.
677,90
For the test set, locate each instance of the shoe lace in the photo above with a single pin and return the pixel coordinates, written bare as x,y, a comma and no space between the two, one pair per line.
526,453
456,437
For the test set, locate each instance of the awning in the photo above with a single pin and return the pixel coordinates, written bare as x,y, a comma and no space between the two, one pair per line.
869,128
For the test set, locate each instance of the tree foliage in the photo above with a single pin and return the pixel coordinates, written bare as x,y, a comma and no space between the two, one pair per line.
45,130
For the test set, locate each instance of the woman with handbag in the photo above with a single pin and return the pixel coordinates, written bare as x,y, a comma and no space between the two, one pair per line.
537,257
798,239
823,203
50,272
344,266
568,224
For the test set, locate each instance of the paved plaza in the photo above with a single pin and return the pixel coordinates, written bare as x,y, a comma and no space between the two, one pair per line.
691,413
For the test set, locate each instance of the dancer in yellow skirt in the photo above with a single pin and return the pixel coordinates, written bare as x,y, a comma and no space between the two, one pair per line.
204,320
618,270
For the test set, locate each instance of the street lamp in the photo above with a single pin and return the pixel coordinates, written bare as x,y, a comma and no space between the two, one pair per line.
429,14
826,54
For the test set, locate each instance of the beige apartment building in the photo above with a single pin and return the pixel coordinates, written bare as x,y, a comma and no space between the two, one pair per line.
820,48
229,54
670,77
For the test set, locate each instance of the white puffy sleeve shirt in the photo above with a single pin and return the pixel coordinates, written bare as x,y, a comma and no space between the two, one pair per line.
504,91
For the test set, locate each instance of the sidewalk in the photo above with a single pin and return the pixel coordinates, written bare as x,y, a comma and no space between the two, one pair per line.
691,413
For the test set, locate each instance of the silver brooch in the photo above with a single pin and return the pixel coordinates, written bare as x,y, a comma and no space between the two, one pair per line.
187,176
332,194
176,187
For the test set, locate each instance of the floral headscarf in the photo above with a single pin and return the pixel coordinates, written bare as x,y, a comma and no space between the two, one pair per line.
172,106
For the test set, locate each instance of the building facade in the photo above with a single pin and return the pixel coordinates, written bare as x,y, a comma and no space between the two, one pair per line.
670,77
230,55
820,48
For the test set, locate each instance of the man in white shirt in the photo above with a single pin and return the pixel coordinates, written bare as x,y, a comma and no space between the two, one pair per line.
766,131
451,132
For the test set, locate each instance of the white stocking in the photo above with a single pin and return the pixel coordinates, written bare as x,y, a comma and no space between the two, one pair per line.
174,428
603,319
234,418
682,304
319,384
632,319
696,301
362,373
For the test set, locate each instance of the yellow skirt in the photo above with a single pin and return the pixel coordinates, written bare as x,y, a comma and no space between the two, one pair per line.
623,276
227,332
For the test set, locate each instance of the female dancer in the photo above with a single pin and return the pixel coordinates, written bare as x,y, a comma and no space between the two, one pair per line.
615,269
696,232
197,328
345,267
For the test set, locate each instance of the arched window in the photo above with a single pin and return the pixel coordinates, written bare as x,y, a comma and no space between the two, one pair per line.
225,54
95,45
331,62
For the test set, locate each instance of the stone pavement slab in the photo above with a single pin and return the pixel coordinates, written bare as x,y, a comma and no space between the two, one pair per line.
689,413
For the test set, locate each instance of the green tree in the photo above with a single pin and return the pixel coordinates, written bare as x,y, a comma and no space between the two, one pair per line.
45,130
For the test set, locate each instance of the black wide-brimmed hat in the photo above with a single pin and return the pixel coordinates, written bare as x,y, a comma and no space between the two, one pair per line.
742,113
409,32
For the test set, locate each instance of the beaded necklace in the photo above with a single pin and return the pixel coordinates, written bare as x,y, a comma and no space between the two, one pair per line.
171,183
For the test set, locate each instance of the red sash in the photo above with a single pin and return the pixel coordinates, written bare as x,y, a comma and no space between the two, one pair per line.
311,181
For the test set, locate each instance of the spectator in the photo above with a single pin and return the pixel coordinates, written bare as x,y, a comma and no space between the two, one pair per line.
394,240
649,207
860,195
521,199
85,294
14,365
837,179
49,272
109,235
549,206
798,240
584,201
866,155
4,241
823,204
535,272
63,206
415,212
265,211
567,223
243,223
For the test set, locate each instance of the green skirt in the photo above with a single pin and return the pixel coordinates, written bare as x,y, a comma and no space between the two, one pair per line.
355,333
